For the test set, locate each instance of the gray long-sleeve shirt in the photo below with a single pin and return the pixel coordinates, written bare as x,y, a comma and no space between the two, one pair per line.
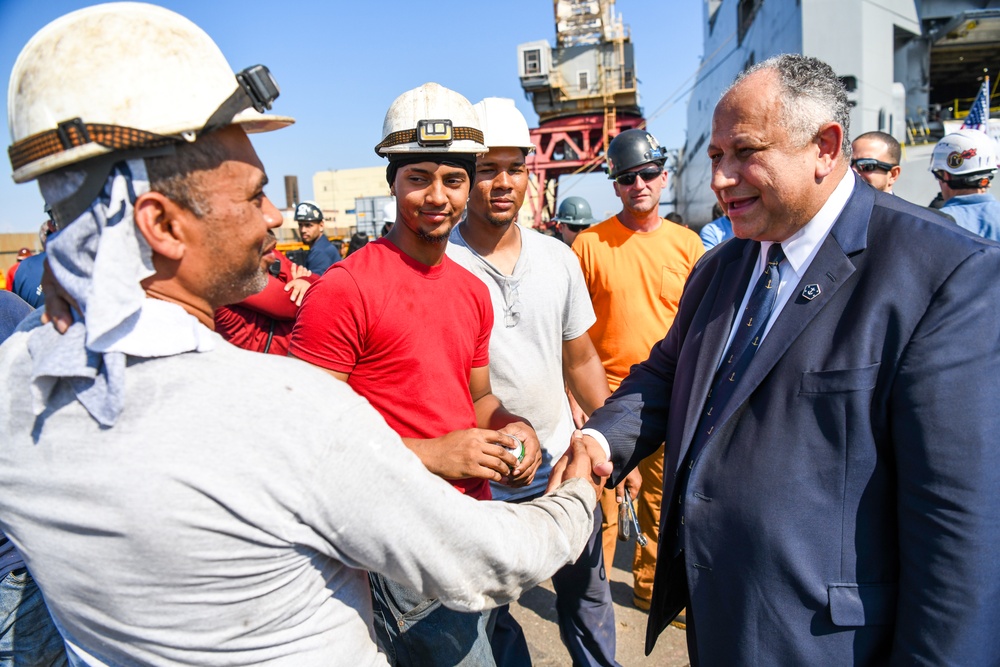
229,515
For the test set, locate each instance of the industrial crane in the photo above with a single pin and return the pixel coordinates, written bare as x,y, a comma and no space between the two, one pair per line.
584,91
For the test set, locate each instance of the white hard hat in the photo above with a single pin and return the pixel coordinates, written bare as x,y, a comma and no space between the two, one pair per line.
503,124
389,211
965,152
124,76
430,119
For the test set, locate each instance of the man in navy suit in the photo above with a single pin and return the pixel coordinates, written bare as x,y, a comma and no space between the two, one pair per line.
839,502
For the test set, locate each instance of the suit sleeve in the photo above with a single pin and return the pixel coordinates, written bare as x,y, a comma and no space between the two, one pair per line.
944,417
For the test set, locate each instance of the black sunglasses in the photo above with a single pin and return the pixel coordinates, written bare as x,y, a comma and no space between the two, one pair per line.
866,164
648,174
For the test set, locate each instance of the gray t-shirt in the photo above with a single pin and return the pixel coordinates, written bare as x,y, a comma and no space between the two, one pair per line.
228,516
541,305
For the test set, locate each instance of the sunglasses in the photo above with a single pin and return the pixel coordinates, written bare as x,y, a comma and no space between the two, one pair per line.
864,165
647,174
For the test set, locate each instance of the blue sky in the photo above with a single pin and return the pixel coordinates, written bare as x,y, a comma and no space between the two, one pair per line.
340,65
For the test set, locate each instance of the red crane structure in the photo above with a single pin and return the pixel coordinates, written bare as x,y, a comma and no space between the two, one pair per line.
584,91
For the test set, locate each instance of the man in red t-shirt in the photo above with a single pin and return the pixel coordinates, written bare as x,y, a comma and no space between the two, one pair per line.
408,329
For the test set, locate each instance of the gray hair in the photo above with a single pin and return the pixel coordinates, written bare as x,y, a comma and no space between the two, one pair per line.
811,95
176,175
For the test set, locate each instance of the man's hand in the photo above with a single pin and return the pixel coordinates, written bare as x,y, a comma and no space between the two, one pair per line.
585,458
632,482
474,452
297,289
59,305
580,460
524,472
299,271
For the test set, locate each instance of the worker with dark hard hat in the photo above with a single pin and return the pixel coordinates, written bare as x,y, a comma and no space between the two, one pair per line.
409,329
964,163
322,254
163,517
635,267
573,217
539,342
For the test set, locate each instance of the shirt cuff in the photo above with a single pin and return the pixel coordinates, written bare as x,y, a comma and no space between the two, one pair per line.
601,440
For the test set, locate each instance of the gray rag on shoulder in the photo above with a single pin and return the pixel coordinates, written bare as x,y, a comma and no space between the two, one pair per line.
100,259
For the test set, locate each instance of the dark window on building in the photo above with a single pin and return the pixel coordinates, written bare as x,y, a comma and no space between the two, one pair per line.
532,62
713,13
584,80
746,10
850,83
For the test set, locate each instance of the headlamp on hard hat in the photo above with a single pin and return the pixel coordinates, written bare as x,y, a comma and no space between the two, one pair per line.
260,86
434,132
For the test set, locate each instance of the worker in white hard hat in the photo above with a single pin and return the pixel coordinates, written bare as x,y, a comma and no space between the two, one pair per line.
539,343
409,329
964,163
164,518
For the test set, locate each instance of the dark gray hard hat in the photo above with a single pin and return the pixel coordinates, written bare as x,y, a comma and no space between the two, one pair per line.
575,211
307,211
632,148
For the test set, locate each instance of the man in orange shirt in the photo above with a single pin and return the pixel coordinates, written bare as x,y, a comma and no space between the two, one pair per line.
635,266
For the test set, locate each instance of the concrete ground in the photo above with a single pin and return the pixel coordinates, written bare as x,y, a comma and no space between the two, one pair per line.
916,184
536,613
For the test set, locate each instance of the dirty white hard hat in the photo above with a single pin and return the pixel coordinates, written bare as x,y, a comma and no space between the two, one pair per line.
125,76
504,126
965,152
389,211
430,119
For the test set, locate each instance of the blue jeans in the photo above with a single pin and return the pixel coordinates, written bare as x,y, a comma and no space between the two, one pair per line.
27,635
414,631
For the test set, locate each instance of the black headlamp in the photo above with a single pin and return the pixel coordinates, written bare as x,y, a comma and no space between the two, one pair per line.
259,85
257,88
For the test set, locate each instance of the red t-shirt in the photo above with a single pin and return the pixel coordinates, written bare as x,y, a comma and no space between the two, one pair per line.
270,312
408,335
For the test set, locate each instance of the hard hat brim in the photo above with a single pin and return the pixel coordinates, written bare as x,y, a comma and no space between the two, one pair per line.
250,120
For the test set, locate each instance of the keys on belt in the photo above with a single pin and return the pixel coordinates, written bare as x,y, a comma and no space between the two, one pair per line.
627,520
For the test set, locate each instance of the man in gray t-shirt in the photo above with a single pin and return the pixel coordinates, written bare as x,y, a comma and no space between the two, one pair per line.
538,345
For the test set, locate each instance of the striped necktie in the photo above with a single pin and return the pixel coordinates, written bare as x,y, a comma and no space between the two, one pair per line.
749,333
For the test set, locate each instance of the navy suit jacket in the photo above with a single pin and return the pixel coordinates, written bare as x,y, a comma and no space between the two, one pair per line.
847,508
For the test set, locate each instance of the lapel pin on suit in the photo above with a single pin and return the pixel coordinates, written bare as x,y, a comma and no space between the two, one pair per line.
811,291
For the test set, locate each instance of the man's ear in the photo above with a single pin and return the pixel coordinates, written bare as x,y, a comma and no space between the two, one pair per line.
830,150
894,174
159,220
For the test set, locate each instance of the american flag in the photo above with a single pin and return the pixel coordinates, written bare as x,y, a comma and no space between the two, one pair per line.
979,113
